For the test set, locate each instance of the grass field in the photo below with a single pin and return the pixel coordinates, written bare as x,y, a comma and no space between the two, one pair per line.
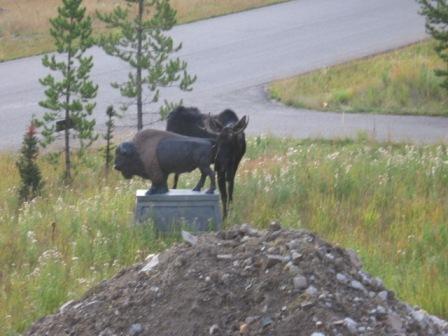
24,24
388,202
397,82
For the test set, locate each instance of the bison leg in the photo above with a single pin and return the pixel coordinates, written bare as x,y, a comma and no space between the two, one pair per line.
201,182
159,187
223,191
176,179
211,175
152,191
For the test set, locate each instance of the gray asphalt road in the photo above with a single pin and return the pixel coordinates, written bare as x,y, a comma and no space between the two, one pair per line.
235,55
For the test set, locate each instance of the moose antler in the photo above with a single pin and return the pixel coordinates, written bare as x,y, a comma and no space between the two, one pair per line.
214,124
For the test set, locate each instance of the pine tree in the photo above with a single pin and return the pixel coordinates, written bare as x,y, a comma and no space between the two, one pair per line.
70,96
141,43
436,12
110,126
30,174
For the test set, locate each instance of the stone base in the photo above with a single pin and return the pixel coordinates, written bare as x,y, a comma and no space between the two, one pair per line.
179,209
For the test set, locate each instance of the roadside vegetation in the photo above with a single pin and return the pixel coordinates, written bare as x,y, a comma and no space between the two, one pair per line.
386,201
397,82
24,26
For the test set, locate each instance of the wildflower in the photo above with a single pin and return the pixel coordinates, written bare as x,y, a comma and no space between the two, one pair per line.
348,168
50,255
333,156
31,237
35,272
82,281
268,178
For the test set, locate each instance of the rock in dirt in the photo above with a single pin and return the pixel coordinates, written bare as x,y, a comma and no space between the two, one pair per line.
300,282
275,226
383,295
244,329
189,238
135,329
351,325
223,287
153,261
214,330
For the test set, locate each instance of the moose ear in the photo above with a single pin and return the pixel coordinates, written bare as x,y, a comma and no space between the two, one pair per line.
241,125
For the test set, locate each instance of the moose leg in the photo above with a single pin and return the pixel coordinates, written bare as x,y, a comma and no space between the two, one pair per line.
231,180
223,191
230,188
176,179
201,181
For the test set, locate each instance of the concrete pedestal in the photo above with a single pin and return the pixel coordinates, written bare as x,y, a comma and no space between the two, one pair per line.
186,209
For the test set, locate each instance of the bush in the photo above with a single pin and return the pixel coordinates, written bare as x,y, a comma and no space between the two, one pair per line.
29,171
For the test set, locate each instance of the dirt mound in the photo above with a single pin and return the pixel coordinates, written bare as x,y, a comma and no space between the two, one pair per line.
243,282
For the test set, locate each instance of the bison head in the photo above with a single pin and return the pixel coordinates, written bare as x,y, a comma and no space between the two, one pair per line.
127,160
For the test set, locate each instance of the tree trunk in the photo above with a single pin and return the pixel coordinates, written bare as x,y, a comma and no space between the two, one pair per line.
108,140
139,66
107,157
68,175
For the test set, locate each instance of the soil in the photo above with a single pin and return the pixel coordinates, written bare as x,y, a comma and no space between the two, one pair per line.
243,282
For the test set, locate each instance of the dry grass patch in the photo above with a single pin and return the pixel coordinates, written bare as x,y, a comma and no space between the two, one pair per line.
24,24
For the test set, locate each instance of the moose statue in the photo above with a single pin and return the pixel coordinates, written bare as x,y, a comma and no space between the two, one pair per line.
228,133
154,154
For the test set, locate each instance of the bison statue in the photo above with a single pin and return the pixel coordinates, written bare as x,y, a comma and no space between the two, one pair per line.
154,154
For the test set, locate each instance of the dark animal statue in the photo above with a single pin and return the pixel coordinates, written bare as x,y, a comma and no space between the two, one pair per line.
154,154
190,121
228,132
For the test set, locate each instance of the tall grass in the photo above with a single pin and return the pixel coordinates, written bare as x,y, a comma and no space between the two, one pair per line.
397,82
24,26
388,202
60,244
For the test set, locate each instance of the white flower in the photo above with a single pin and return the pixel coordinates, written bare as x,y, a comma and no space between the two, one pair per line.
333,156
31,237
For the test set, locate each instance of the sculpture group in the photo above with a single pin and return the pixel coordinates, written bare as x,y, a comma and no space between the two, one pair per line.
192,140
